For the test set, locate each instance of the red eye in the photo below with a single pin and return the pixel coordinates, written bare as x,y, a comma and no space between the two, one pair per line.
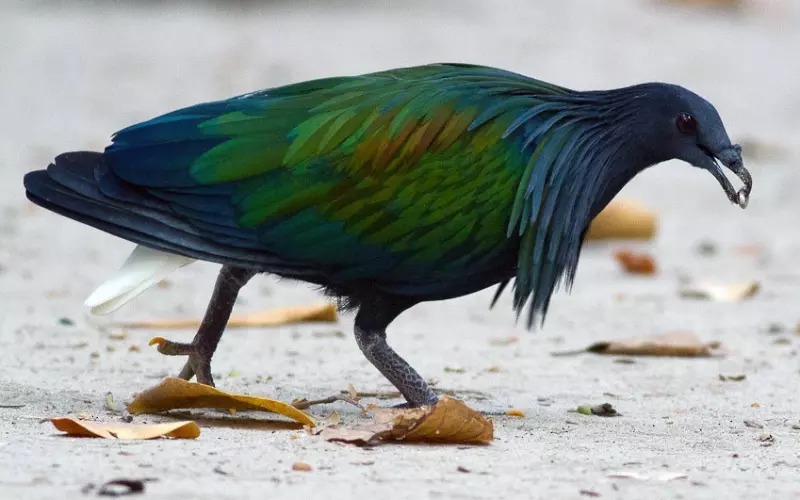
686,124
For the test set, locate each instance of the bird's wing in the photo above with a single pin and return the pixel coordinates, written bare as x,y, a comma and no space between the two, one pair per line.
409,175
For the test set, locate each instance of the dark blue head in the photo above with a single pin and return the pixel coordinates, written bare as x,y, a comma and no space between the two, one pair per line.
675,123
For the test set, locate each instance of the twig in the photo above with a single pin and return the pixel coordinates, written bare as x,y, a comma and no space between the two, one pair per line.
450,392
376,395
302,404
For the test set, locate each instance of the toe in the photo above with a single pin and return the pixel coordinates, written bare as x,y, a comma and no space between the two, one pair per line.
187,372
171,348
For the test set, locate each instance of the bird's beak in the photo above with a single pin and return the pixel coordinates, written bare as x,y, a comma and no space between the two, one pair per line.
731,157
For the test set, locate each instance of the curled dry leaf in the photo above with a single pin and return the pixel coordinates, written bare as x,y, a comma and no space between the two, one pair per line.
111,405
448,421
175,393
635,263
680,344
721,293
623,219
74,427
272,317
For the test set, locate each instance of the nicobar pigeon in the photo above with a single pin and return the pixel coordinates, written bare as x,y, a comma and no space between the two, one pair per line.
386,189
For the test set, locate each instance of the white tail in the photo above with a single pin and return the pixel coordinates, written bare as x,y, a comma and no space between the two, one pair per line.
144,268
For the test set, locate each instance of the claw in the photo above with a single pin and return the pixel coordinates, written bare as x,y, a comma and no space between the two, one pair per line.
198,365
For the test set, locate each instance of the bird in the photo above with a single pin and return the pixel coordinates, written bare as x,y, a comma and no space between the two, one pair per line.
384,190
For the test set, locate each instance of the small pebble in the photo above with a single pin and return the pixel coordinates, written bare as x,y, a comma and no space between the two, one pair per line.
301,466
707,248
775,328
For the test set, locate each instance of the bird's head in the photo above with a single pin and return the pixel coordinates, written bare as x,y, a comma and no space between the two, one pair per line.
695,134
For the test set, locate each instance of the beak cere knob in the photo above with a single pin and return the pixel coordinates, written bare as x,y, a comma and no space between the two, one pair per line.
732,158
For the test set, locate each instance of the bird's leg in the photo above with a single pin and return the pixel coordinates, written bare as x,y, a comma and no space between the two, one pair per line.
370,329
201,349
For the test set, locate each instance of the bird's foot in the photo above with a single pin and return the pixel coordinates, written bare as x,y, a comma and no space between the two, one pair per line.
407,405
199,362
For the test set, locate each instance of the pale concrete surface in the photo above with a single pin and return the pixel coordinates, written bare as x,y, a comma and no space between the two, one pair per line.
70,77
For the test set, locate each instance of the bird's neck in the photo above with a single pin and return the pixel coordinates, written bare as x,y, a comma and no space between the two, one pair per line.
628,143
624,164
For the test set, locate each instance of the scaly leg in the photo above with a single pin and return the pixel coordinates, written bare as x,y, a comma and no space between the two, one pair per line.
201,349
370,329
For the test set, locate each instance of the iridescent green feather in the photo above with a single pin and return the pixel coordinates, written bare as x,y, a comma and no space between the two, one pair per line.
398,144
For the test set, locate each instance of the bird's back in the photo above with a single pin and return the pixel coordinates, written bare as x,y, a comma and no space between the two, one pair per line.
402,180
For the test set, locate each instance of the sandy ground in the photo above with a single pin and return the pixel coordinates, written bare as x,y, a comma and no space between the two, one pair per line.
68,78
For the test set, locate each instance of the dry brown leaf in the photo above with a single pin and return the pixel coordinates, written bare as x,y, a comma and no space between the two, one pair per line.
113,430
623,219
721,293
175,393
683,344
301,466
635,263
448,421
272,317
361,436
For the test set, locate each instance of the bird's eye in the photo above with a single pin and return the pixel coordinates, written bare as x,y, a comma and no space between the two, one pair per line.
686,124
